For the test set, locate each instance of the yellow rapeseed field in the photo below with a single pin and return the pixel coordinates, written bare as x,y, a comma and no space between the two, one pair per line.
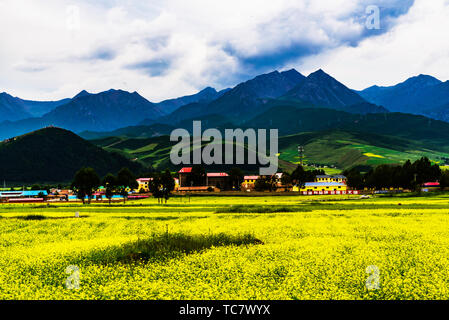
281,247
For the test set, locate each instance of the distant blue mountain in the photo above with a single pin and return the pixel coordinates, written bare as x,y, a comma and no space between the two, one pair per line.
247,98
322,90
114,109
204,96
288,88
104,111
13,108
244,100
83,93
416,95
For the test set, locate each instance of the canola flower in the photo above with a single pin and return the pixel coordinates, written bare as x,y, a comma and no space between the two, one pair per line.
319,248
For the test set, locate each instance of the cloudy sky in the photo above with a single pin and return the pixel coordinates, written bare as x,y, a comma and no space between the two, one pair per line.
52,49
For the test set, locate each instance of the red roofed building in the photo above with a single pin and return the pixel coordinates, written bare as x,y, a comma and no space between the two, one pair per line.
430,186
183,175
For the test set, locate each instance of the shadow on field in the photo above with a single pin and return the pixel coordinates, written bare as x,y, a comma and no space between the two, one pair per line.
167,218
168,246
41,217
260,209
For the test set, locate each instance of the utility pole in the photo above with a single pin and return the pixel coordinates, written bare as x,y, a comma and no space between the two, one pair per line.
301,155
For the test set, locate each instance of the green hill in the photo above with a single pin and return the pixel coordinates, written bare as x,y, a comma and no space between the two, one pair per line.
289,120
331,137
345,149
155,152
54,155
341,149
151,151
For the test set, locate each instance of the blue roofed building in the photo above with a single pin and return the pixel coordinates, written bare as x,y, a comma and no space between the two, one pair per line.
23,194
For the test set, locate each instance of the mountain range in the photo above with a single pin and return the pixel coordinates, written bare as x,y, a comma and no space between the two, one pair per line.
109,110
322,90
204,96
331,138
257,95
13,108
422,94
115,109
339,127
286,100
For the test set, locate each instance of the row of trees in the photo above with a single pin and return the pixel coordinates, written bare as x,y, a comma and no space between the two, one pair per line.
86,181
408,176
266,183
161,185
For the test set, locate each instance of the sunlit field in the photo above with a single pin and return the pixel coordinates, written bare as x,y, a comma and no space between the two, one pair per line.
282,247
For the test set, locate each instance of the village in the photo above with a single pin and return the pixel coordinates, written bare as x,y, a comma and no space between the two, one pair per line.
215,182
211,183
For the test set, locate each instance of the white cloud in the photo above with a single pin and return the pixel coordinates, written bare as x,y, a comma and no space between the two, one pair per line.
193,44
416,45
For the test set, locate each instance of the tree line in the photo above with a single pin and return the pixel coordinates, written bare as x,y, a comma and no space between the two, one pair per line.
86,181
407,176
